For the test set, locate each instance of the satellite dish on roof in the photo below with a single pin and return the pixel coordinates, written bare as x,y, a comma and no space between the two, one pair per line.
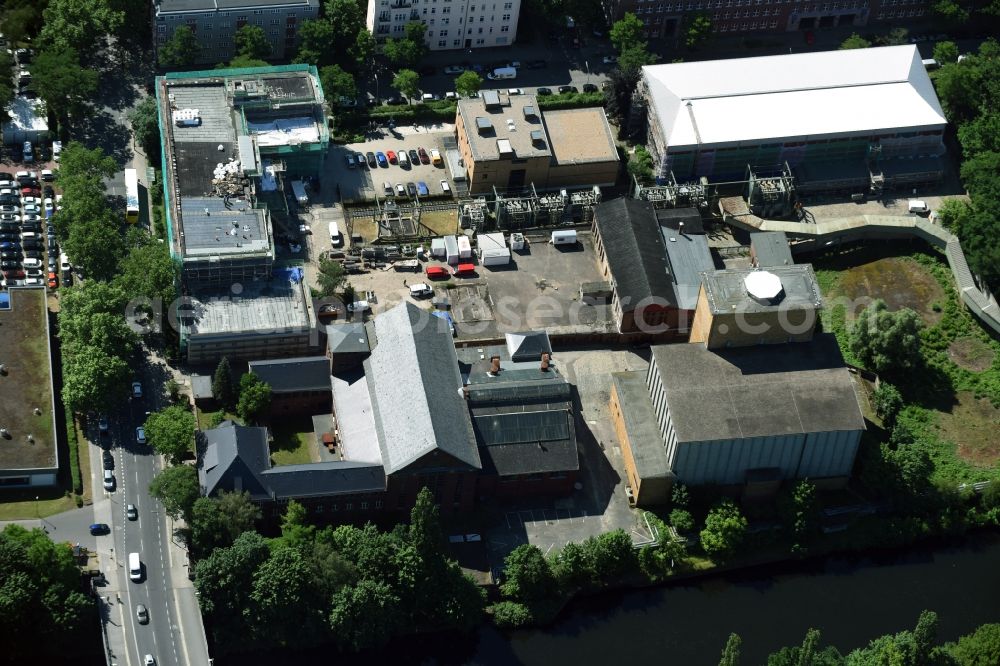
763,285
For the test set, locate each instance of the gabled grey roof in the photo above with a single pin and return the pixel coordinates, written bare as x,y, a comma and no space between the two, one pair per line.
770,248
528,345
634,248
340,477
415,385
231,458
688,256
285,375
527,441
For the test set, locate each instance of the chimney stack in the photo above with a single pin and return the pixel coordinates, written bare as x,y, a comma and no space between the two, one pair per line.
545,362
494,366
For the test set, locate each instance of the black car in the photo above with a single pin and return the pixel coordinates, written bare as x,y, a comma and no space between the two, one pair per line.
372,161
109,460
395,101
414,157
31,246
99,528
10,255
49,192
31,226
536,64
9,200
9,236
411,188
543,91
9,227
567,89
589,88
9,263
33,254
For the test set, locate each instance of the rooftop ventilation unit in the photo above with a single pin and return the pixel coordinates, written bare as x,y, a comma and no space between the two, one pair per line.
538,137
483,125
529,113
504,148
491,99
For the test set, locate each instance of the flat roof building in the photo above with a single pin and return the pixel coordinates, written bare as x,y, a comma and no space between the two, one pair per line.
866,110
507,142
28,449
770,248
26,120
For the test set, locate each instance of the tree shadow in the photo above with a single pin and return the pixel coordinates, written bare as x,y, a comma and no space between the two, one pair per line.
100,129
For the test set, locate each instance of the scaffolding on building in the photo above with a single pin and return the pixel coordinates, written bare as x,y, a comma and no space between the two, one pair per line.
875,175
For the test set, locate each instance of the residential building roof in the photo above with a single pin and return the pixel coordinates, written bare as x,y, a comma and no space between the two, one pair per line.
288,375
762,391
771,248
491,120
528,345
727,290
415,385
324,479
262,307
802,95
689,256
347,338
580,136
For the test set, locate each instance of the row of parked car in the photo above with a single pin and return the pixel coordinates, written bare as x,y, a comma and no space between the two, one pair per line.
403,158
25,203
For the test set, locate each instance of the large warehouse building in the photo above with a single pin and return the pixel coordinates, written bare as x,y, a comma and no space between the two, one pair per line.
840,119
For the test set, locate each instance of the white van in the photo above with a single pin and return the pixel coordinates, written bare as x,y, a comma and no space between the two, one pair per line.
32,263
335,237
29,235
134,567
502,73
917,206
564,237
404,160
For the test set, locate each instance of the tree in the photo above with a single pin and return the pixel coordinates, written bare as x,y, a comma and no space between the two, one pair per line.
147,271
315,42
170,432
255,395
951,12
222,384
888,402
144,120
641,165
363,50
802,515
62,82
979,135
511,615
296,532
251,42
216,522
884,341
725,529
6,83
95,245
731,653
337,83
980,648
93,379
20,24
611,554
284,605
925,636
224,583
243,62
425,526
408,51
979,173
586,13
573,567
364,615
682,520
78,24
177,489
632,60
894,37
527,575
78,163
407,82
468,83
180,50
698,30
945,52
855,41
627,33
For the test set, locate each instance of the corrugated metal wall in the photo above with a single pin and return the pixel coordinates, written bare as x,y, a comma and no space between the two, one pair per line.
829,453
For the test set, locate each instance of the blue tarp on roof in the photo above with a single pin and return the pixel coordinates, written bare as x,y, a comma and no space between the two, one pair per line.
291,274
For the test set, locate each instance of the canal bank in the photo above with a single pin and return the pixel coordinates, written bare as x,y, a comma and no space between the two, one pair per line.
851,598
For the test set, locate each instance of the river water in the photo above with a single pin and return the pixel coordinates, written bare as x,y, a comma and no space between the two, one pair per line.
850,599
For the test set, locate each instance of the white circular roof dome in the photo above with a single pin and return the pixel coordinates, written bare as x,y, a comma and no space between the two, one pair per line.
763,285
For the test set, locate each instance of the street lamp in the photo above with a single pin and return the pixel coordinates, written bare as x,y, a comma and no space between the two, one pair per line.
377,100
586,63
38,514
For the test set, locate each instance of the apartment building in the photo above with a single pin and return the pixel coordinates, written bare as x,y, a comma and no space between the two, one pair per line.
215,23
665,20
451,24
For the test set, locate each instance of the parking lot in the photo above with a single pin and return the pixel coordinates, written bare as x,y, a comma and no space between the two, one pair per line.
540,288
363,183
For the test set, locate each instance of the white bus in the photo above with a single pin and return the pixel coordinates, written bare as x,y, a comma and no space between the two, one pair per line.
131,196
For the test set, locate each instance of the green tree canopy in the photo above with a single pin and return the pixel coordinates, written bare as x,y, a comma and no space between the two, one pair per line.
945,52
316,39
180,50
884,341
980,648
216,522
408,51
468,83
725,529
731,652
364,615
627,33
147,271
22,23
251,42
145,125
225,582
62,82
682,520
222,384
407,82
698,29
170,432
6,82
855,41
243,62
177,489
950,12
77,24
95,245
255,396
887,402
527,575
337,83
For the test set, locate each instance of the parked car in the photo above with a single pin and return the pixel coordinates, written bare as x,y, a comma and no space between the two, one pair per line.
514,91
372,160
360,158
387,188
53,280
563,90
589,88
454,69
436,157
358,306
536,64
541,92
411,189
400,189
10,264
381,159
395,100
422,188
351,162
49,192
609,60
109,460
109,480
414,157
99,528
140,435
136,389
445,187
391,156
423,156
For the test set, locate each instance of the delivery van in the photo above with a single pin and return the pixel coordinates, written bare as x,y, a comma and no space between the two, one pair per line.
134,567
502,73
335,238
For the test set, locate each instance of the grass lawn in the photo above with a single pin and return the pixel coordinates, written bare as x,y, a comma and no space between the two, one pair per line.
440,222
83,450
293,443
21,504
205,420
953,401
